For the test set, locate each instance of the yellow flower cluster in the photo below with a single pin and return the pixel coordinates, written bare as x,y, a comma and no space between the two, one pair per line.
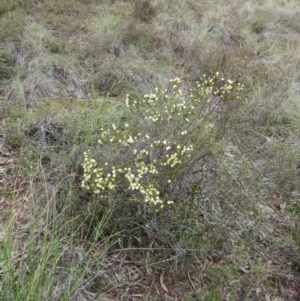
139,176
158,148
94,177
214,86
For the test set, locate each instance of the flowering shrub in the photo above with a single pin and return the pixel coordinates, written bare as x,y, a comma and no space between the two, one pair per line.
164,137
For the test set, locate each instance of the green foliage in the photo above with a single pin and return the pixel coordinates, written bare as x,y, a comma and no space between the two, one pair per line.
7,6
45,268
12,28
7,71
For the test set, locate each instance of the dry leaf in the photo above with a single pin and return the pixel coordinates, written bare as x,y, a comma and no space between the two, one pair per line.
245,269
267,298
135,276
3,170
25,199
3,160
4,153
161,280
2,236
258,291
282,207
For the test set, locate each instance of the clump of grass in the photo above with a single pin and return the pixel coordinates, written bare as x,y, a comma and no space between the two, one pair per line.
290,21
260,21
7,6
106,33
7,70
138,34
49,73
12,27
144,10
43,253
47,263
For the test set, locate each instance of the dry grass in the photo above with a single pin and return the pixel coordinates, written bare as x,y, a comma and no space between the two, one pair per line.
65,68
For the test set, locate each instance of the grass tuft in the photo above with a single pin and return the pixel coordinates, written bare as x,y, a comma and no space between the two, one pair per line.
144,10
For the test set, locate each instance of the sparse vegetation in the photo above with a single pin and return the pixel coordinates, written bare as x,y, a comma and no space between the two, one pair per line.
149,150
